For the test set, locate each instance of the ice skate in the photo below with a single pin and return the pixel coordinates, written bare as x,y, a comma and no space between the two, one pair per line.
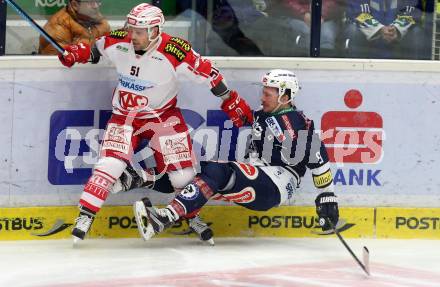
201,229
151,220
82,225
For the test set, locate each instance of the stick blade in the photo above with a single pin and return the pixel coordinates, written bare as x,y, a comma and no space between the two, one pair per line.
366,259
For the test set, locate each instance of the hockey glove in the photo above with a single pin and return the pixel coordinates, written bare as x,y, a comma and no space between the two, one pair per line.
237,110
76,54
131,179
327,208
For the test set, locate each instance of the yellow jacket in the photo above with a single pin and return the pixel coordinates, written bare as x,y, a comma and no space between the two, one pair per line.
66,27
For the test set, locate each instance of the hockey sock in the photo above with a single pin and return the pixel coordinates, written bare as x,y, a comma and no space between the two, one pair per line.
96,190
191,198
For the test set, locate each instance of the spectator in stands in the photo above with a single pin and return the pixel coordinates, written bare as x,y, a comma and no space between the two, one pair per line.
264,22
282,28
224,25
302,16
384,29
79,21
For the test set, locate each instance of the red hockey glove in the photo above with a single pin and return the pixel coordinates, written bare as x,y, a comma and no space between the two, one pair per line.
77,54
237,109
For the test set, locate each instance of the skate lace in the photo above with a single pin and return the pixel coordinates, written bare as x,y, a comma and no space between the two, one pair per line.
165,213
197,224
83,223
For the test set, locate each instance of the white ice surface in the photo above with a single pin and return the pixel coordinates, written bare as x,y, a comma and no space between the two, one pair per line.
255,262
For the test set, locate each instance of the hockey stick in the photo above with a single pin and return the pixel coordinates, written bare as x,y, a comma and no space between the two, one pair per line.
37,27
366,254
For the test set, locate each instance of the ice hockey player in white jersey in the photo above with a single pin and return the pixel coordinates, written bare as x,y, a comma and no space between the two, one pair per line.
149,63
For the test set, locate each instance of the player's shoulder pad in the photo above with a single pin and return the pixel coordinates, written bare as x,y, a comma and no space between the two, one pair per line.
175,47
117,36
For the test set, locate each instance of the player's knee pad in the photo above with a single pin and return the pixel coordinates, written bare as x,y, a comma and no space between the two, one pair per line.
216,174
111,166
106,172
181,177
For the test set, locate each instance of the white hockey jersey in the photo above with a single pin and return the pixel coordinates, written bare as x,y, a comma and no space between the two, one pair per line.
148,84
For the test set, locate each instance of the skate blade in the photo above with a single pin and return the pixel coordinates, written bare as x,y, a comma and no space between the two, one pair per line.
209,242
139,211
76,241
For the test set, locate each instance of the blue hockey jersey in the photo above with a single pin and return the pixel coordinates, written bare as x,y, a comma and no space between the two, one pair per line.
287,138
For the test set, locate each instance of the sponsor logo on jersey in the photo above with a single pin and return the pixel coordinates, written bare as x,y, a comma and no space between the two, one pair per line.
323,180
117,138
182,43
274,126
122,48
175,51
134,84
118,34
130,101
156,58
175,148
290,189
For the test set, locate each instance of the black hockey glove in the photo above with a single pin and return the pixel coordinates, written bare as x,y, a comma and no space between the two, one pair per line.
327,207
131,178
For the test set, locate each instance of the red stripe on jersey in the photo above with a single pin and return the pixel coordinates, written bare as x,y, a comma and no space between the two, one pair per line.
289,127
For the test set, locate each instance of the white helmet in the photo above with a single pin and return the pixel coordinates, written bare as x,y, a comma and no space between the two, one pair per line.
284,80
146,16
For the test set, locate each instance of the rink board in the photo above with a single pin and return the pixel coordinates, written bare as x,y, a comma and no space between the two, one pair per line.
226,221
36,223
408,223
53,119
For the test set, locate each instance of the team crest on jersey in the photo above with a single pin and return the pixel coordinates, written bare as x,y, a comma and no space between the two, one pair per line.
181,43
190,192
248,170
175,51
118,34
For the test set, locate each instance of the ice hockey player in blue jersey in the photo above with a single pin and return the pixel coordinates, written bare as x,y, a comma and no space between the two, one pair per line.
284,144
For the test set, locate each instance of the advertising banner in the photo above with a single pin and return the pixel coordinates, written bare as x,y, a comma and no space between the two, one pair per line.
379,128
39,223
408,223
